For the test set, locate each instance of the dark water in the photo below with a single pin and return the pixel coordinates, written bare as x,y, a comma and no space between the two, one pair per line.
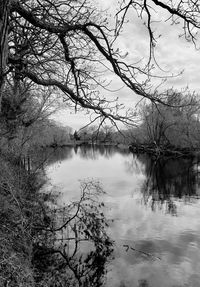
153,208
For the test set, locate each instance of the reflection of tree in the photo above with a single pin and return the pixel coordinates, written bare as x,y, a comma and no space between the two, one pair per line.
94,151
43,244
78,246
168,179
88,152
42,157
47,156
141,283
133,165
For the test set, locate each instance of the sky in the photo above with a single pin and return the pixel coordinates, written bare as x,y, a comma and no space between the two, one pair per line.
173,54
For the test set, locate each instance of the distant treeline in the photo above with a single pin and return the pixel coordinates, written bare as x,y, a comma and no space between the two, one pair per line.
173,126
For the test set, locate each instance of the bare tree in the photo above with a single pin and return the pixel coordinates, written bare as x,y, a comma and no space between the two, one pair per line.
165,126
3,42
67,45
184,13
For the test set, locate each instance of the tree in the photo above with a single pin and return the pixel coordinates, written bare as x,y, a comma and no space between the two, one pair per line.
24,121
76,136
53,44
3,42
176,126
48,133
56,44
183,13
107,134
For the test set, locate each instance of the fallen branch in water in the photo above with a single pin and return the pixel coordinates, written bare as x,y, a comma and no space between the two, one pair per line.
145,253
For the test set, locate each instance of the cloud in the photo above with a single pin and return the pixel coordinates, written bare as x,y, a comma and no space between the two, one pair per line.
174,239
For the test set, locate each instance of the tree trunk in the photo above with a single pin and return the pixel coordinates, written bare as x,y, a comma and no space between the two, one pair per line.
4,6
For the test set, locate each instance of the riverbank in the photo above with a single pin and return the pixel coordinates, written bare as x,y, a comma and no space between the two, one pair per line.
165,151
19,213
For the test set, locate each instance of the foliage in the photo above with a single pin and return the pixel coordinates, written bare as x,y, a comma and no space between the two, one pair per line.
16,216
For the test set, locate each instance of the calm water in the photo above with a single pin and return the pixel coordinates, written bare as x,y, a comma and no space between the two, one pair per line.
153,208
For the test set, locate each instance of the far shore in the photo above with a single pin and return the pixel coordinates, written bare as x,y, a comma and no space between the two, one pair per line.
82,143
179,152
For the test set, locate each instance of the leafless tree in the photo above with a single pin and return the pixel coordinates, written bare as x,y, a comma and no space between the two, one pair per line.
67,45
185,13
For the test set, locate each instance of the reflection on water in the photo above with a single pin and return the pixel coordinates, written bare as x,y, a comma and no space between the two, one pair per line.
43,157
153,208
167,180
94,152
72,247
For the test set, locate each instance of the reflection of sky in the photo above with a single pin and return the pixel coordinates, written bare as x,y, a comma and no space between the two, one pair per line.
174,239
68,173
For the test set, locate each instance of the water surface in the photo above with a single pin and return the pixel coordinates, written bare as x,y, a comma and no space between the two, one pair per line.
153,208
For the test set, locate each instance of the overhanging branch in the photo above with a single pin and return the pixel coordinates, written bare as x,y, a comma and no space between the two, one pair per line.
82,102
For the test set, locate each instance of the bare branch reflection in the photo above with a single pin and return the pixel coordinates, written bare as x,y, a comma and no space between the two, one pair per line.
74,247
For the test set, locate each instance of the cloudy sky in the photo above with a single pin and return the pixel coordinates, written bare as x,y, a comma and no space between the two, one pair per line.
173,54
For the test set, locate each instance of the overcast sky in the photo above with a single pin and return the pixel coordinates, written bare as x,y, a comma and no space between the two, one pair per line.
173,54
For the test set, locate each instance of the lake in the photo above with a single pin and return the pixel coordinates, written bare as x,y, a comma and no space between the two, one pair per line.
153,210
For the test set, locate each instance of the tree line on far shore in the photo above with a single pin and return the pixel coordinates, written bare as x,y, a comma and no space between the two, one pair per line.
175,125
